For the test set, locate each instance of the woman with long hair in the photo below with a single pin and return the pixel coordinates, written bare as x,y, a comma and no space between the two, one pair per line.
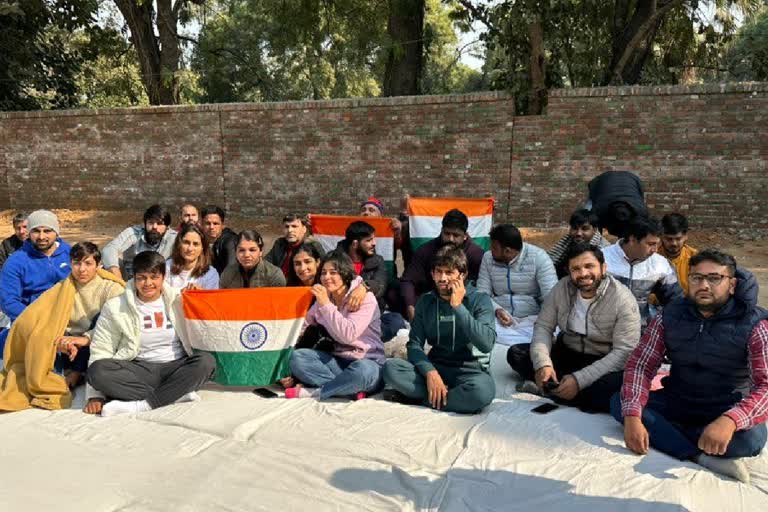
189,266
304,265
353,365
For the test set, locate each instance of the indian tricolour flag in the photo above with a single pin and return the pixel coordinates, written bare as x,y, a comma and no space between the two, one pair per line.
329,230
250,332
425,216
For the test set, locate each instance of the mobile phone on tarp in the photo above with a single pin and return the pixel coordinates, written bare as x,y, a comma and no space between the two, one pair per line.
545,408
264,393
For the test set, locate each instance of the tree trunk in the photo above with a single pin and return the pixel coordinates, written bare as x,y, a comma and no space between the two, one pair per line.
538,91
170,54
633,33
402,75
159,57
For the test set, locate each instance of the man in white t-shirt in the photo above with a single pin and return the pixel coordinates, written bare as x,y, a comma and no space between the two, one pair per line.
599,324
138,359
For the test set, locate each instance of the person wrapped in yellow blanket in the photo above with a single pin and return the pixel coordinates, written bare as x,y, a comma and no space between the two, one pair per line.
53,334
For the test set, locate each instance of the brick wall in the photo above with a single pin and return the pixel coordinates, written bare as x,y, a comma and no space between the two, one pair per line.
701,150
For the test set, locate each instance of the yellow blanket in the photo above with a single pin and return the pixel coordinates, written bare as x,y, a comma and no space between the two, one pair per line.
28,379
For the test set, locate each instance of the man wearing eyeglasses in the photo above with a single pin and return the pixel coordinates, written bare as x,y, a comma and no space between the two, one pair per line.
714,403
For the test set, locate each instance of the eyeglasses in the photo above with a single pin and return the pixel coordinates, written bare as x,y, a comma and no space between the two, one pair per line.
712,279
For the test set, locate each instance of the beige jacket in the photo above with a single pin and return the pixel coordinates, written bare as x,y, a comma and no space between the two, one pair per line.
613,328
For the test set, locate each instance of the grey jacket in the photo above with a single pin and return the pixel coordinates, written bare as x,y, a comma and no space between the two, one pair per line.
130,242
612,331
520,286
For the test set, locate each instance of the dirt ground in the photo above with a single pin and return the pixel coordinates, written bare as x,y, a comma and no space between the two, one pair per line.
101,226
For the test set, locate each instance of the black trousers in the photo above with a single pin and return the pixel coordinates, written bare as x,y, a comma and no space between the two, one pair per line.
594,398
158,383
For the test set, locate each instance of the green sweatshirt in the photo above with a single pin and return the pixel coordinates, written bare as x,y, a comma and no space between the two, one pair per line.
460,337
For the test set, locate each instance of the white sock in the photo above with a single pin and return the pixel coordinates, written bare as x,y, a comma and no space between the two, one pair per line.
734,468
116,407
309,392
189,397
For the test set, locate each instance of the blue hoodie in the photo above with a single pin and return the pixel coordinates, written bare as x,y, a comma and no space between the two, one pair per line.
28,273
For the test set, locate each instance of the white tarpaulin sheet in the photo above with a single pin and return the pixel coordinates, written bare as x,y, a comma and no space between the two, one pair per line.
235,451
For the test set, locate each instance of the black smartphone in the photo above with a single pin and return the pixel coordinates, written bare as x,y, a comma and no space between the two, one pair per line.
545,408
264,393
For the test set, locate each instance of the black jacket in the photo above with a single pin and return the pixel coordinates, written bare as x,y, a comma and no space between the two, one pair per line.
224,250
374,274
8,247
617,186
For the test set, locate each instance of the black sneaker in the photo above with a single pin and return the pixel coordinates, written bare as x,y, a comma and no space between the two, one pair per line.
392,395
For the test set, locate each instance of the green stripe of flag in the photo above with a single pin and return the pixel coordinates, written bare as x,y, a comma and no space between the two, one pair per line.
483,241
258,368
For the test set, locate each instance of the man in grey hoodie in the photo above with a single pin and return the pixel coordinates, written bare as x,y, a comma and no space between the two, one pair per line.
599,324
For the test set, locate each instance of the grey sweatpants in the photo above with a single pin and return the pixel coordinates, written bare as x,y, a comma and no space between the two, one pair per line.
158,383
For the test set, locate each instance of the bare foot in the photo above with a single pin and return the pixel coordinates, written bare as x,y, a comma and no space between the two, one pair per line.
73,379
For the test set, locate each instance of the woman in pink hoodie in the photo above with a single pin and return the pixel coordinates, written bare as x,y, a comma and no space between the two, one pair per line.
354,366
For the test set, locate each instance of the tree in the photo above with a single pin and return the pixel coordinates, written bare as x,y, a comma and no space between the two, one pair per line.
748,55
405,55
269,50
443,71
534,45
37,66
155,36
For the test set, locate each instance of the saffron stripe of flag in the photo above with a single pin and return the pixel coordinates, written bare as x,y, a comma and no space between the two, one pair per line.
425,216
329,231
249,332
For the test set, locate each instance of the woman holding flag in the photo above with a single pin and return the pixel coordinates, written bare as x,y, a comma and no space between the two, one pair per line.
353,367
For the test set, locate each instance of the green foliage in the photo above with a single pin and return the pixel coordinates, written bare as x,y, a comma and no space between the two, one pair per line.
748,56
266,50
444,73
689,44
110,75
37,64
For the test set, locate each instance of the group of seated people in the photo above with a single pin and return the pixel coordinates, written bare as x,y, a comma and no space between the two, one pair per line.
607,317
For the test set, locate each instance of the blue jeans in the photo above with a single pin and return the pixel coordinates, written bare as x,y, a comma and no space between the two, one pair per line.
333,375
680,438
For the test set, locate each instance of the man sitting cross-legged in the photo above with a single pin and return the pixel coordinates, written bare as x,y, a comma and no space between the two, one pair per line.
458,322
599,326
517,275
137,357
60,320
714,403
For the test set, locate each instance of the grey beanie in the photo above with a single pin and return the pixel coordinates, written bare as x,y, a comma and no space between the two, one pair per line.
43,218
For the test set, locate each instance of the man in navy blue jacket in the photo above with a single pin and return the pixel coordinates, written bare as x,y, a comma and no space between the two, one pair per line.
41,262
